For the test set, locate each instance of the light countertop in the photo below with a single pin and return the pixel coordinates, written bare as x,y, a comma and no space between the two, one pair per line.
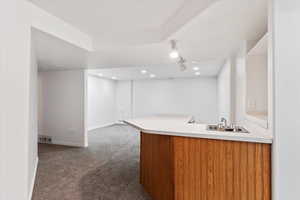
179,126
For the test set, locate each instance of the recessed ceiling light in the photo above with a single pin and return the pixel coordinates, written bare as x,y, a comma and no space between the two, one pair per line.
114,77
100,74
197,73
195,68
174,54
144,71
152,75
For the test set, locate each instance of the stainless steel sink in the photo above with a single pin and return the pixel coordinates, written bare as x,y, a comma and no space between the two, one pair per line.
237,129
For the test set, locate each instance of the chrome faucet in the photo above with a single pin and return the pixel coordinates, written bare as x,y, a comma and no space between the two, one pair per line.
224,122
224,126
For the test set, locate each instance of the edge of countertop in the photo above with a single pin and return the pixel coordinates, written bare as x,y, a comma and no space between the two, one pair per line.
265,138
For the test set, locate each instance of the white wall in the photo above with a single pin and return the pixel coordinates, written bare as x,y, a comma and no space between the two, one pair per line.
14,100
240,88
252,76
286,147
257,83
124,100
2,116
17,89
225,92
33,132
62,104
101,102
197,97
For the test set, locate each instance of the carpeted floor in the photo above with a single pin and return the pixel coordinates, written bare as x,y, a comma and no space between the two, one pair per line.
107,170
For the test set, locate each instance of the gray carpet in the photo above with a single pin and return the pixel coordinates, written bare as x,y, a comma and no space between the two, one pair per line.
107,170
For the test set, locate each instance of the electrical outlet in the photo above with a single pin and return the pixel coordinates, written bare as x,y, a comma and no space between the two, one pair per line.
45,139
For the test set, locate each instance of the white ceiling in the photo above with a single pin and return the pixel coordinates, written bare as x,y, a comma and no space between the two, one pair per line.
136,33
126,22
219,31
161,72
55,54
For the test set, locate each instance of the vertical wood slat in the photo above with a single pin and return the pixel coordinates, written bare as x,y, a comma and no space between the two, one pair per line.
251,171
266,154
244,171
156,166
205,169
217,174
198,167
258,172
237,171
229,171
179,169
210,170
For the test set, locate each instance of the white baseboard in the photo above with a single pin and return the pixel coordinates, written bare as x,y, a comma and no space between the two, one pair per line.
101,126
67,143
33,178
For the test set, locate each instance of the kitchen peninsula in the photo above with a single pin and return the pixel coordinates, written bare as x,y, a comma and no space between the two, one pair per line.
184,161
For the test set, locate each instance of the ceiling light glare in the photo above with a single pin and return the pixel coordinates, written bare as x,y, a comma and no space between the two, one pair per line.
195,68
197,73
144,71
114,78
152,75
174,54
100,74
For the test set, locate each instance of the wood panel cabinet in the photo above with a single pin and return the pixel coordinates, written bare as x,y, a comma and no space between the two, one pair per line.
156,174
182,168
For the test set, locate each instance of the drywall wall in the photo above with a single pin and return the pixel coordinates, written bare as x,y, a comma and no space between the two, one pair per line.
286,146
124,100
2,120
101,102
33,132
251,76
240,88
17,86
62,106
257,83
2,113
15,100
224,91
197,97
48,23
